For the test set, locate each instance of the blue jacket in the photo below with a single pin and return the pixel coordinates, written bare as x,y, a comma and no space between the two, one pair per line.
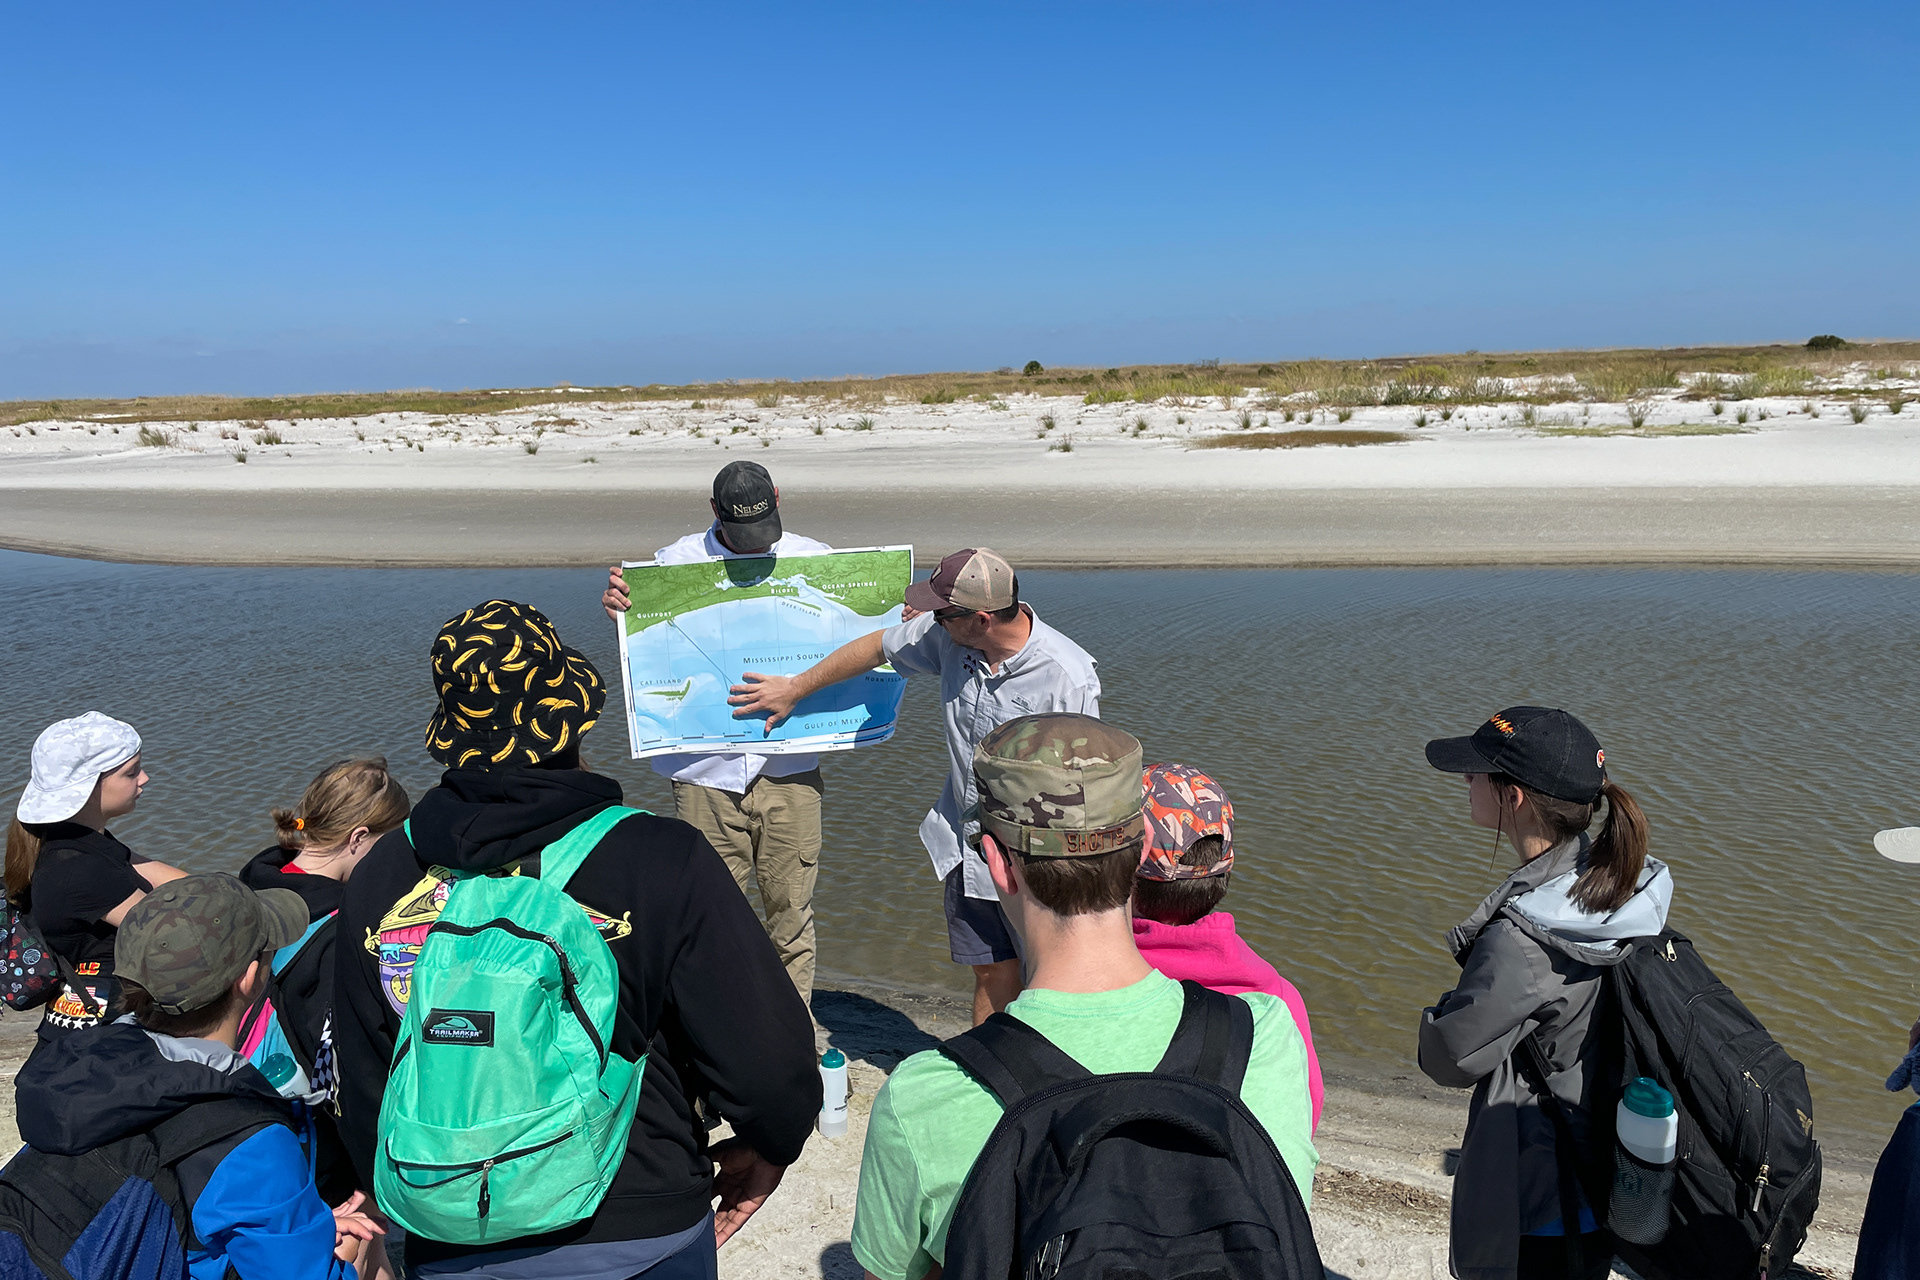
253,1200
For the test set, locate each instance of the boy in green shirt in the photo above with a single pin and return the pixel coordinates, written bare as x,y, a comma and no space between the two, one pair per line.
1061,833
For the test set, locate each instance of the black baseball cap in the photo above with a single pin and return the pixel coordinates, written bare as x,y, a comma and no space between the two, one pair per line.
748,505
1541,748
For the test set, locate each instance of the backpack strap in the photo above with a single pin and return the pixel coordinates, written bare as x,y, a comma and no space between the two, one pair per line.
1214,1040
202,1125
1011,1058
1531,1061
559,860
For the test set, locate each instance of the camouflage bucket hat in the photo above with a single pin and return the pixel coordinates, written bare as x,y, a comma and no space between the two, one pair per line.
1060,786
1184,805
192,938
510,692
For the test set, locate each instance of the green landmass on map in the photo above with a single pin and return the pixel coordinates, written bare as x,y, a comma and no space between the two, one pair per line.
869,583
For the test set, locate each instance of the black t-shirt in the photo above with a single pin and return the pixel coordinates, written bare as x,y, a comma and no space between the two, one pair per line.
80,875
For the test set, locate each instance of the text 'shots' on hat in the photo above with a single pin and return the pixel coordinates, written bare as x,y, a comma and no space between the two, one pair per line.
191,939
68,758
1060,786
749,507
976,579
1183,806
1542,748
510,692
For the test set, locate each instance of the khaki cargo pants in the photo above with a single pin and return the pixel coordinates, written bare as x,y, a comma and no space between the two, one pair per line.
770,837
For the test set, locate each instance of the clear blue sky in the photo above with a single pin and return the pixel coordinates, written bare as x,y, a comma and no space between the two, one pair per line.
278,198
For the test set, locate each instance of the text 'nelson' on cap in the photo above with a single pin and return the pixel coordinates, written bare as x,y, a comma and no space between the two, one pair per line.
749,507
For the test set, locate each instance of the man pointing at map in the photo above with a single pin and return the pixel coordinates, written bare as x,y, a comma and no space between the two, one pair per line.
996,661
761,812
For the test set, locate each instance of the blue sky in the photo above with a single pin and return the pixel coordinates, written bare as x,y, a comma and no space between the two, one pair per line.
278,198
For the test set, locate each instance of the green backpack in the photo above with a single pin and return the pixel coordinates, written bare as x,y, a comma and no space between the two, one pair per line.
506,1114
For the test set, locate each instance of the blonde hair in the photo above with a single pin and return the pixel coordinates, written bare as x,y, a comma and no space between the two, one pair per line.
352,793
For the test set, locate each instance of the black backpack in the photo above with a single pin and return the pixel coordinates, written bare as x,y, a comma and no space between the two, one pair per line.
118,1210
1747,1180
1129,1176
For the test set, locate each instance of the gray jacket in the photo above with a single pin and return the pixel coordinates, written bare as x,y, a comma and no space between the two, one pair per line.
1530,960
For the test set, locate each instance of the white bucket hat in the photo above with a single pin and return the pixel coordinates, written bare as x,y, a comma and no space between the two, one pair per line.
68,757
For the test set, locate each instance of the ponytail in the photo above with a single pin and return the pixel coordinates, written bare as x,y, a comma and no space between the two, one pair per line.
23,850
1618,855
289,828
1619,852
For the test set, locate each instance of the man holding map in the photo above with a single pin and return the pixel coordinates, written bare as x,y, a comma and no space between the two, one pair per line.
760,812
996,661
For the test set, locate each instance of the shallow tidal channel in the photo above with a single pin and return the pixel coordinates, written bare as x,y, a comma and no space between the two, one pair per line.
1768,721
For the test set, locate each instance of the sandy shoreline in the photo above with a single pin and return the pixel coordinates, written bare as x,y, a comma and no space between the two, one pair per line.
1380,1195
1228,527
582,484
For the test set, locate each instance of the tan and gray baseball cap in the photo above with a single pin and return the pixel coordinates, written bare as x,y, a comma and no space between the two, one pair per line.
192,938
976,578
1060,786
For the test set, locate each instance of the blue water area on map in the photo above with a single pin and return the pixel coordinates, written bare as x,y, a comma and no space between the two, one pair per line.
680,671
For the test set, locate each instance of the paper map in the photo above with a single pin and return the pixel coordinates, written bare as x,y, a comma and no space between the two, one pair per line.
694,629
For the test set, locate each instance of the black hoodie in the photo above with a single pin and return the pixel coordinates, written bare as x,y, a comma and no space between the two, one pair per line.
306,985
701,987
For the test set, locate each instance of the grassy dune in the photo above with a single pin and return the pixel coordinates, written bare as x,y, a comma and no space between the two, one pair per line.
1473,377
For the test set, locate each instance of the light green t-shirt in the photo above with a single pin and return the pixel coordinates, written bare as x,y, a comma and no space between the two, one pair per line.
931,1118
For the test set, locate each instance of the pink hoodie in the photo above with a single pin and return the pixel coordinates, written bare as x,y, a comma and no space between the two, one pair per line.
1212,954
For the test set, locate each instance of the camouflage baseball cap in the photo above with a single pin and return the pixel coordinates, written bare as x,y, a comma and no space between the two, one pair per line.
192,938
1060,786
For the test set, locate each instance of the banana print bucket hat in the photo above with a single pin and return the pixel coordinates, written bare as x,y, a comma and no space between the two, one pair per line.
510,692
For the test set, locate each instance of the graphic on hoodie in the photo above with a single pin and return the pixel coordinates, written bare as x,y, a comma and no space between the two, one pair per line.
396,944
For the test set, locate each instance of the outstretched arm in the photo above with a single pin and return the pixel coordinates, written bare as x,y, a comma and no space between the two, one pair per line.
776,696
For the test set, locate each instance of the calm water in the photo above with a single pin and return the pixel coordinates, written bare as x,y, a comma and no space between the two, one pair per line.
1766,720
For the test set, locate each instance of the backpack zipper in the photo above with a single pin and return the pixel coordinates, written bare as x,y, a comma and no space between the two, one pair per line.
1046,1263
484,1168
1760,1180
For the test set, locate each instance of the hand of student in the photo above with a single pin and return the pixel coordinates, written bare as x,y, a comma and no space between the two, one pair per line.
908,613
771,696
743,1182
614,599
352,1228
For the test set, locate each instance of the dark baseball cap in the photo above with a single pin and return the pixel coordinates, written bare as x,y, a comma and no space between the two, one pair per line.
1541,748
192,938
748,505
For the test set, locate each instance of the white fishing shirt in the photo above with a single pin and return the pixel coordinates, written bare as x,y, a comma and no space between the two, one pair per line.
1050,673
730,770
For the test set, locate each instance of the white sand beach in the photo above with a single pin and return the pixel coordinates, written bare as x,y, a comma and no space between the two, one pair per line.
580,482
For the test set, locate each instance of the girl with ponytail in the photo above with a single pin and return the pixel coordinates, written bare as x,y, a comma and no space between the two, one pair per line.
320,841
1532,958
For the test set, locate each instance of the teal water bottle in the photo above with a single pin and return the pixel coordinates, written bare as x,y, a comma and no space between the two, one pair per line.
833,1094
1647,1133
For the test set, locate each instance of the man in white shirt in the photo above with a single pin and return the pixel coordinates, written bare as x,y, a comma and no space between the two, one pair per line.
996,661
761,812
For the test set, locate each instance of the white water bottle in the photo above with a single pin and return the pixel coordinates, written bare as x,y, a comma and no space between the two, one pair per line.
833,1094
1648,1133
